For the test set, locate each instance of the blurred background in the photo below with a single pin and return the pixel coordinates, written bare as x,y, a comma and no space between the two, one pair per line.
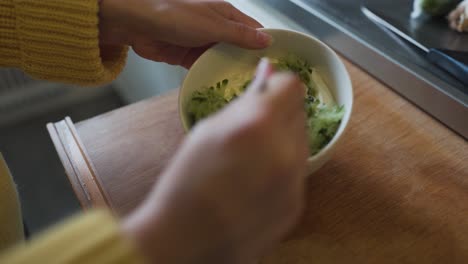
27,105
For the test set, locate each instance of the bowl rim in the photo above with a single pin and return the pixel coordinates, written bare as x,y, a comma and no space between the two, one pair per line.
336,138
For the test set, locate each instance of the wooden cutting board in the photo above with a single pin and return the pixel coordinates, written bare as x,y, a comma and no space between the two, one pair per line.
396,191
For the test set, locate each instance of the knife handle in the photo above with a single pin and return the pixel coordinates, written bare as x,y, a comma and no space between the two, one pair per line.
454,62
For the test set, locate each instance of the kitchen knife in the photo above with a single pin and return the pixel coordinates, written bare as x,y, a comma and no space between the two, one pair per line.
454,62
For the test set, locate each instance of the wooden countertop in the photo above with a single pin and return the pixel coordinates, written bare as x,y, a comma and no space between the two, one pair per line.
396,191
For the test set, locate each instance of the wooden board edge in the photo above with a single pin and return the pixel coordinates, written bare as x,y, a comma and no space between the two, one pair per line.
80,191
82,176
92,169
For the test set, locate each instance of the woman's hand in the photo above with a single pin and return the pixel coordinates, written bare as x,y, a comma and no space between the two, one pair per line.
236,186
176,31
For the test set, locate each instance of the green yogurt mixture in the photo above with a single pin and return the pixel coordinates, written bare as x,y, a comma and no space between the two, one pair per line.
323,114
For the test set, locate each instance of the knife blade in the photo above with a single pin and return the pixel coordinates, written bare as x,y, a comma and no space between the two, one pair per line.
453,62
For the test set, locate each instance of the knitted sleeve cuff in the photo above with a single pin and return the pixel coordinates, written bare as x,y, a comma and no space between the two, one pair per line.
58,40
9,47
90,238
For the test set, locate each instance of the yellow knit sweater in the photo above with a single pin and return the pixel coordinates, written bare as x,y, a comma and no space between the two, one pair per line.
58,40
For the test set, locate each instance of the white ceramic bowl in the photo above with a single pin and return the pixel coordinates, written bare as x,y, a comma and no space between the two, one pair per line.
224,60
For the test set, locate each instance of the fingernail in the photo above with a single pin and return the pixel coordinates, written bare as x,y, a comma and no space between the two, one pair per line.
264,38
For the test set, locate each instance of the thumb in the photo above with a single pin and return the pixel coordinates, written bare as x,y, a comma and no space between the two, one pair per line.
283,92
